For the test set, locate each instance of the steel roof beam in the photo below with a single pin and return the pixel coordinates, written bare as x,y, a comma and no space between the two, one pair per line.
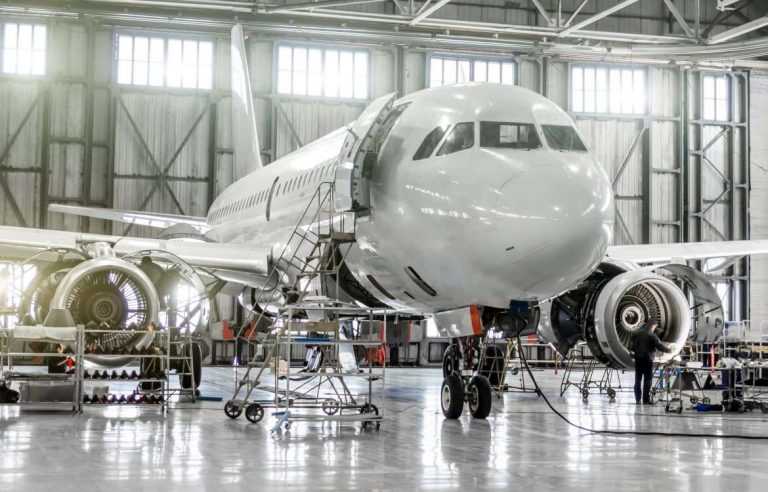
543,12
596,17
318,5
679,18
576,12
429,11
739,31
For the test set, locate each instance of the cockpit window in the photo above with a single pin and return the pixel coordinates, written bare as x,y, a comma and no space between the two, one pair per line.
428,145
563,137
509,135
462,137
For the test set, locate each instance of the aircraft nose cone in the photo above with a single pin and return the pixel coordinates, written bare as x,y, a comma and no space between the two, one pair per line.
564,213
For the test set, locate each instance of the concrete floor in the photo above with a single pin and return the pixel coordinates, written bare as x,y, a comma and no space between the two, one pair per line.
521,446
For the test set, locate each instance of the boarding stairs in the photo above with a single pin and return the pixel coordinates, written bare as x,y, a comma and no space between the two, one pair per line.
312,256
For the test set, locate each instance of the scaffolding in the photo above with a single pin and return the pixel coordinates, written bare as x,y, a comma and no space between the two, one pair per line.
306,277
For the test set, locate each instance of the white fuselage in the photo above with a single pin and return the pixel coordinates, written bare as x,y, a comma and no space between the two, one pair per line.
483,225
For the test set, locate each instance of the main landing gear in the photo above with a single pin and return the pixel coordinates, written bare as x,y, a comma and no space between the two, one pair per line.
457,389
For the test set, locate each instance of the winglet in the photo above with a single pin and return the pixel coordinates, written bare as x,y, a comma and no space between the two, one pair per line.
244,134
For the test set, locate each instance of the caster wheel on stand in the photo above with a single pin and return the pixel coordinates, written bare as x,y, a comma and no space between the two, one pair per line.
232,409
611,395
370,408
585,395
254,413
331,407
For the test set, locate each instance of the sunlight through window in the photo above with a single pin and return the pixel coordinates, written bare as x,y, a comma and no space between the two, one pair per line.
162,62
304,71
608,90
24,49
447,70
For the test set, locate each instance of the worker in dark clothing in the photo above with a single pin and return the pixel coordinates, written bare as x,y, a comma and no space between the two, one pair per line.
644,344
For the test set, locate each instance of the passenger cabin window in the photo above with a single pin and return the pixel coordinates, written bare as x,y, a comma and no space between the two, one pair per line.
428,145
508,135
461,137
563,137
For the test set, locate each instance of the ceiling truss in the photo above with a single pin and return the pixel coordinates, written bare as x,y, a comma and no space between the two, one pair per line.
697,39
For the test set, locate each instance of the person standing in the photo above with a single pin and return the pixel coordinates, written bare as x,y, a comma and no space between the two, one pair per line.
645,343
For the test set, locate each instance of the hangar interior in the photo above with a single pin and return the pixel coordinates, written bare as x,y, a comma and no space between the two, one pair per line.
128,105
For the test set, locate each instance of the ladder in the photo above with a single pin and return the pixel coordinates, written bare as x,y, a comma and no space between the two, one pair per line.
316,247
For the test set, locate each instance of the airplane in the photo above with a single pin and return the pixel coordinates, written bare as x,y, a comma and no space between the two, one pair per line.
478,205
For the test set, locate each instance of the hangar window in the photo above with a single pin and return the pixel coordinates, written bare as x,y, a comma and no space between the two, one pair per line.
509,135
322,72
715,97
24,47
164,62
596,89
447,70
461,137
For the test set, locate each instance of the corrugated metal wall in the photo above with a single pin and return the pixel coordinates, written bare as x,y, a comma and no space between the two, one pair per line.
759,195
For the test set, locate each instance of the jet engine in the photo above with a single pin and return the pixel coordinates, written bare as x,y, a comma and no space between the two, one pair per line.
610,306
120,296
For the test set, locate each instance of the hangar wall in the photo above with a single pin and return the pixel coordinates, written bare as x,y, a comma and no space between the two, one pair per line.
169,150
759,194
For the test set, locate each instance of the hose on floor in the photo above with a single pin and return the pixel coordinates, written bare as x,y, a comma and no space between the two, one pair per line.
622,432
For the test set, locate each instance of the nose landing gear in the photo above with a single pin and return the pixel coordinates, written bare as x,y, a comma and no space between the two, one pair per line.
457,389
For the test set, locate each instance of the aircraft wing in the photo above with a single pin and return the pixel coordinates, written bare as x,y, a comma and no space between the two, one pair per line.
243,261
150,219
665,253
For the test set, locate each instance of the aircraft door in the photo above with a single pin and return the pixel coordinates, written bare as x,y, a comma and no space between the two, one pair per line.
358,156
269,198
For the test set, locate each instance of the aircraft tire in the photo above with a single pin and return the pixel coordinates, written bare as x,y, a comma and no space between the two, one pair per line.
480,397
452,396
451,360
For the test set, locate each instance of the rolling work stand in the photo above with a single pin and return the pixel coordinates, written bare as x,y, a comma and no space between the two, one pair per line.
595,376
306,275
319,391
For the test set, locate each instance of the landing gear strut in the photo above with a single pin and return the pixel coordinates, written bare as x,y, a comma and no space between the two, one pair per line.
458,389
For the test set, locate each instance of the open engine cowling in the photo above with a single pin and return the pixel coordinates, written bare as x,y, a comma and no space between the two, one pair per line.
625,304
611,305
112,291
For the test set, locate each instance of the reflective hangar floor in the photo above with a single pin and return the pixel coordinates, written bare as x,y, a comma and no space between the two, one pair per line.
522,446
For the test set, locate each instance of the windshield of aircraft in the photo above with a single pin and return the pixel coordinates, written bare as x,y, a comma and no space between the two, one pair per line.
430,142
462,137
509,135
563,137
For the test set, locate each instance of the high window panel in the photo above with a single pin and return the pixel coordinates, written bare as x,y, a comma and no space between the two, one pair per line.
164,62
716,98
322,72
608,90
447,70
24,48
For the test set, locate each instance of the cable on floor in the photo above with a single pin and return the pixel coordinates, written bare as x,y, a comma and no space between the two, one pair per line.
623,432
